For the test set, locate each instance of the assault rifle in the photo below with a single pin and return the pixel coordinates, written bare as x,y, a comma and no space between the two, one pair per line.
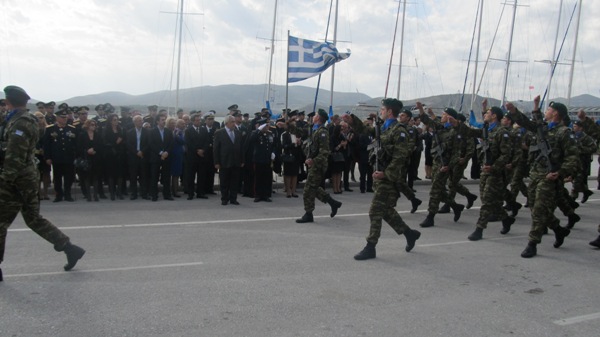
544,150
485,146
439,149
307,143
375,147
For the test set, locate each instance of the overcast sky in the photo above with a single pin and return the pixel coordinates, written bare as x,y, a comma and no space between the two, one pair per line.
61,49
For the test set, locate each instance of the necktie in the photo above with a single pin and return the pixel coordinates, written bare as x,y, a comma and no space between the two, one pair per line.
231,135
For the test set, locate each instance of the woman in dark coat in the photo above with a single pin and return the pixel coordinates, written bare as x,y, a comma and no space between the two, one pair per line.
114,146
292,148
89,145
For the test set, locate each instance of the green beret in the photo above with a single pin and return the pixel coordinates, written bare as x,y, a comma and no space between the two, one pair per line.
323,115
12,92
451,112
562,110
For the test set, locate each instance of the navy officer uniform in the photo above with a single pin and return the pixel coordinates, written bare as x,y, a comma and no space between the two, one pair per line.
59,151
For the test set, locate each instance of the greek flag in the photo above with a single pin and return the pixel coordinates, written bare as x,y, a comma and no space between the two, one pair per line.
308,58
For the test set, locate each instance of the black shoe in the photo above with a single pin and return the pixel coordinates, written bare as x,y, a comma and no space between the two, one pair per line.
595,243
428,222
586,195
367,253
145,197
170,198
58,199
573,219
335,205
112,197
560,233
224,202
417,178
515,209
574,204
530,250
69,199
476,235
307,217
212,192
120,197
234,202
506,223
202,196
470,200
1,278
154,198
133,197
348,190
74,253
190,197
96,198
415,204
257,199
102,195
411,238
526,203
370,190
457,208
267,199
444,209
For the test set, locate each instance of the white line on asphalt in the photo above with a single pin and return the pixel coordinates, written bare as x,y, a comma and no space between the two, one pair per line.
461,242
577,319
109,269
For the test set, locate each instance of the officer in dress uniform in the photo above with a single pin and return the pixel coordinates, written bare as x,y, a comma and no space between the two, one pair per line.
150,118
211,128
262,144
59,151
50,117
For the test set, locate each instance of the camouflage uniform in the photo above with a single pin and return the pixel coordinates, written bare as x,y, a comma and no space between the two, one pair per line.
587,147
463,148
396,148
543,193
521,140
319,153
19,179
492,184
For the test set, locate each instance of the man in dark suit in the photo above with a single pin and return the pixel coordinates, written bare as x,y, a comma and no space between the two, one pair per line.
227,149
136,142
211,127
196,144
160,143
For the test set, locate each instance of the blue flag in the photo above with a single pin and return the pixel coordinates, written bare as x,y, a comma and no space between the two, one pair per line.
308,58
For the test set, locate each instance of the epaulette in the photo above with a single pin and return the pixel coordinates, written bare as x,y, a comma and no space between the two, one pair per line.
49,126
147,117
101,120
75,123
69,125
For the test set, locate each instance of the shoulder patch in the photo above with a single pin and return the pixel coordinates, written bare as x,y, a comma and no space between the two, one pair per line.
18,132
71,126
402,134
505,135
49,126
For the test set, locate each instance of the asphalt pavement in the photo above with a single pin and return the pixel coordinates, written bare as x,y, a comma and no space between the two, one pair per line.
197,268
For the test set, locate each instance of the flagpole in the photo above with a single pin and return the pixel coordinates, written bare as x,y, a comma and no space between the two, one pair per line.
333,66
272,52
574,55
179,57
287,70
401,49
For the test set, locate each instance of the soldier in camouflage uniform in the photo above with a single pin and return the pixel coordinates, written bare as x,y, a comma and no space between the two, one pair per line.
19,178
444,135
404,187
521,139
494,155
593,130
548,169
396,148
587,147
317,154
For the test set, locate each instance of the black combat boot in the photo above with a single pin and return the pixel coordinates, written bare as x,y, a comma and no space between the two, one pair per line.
560,233
307,217
476,235
415,204
470,200
574,204
515,207
74,253
457,208
334,206
530,250
367,253
573,219
428,222
444,209
506,223
1,279
595,243
411,238
586,195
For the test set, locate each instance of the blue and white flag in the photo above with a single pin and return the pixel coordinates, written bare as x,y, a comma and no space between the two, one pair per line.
308,58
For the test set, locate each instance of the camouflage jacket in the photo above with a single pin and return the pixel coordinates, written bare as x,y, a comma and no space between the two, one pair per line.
586,145
18,140
445,136
396,147
318,147
500,145
463,145
564,155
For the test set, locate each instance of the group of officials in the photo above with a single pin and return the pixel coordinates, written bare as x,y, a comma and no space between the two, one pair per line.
146,150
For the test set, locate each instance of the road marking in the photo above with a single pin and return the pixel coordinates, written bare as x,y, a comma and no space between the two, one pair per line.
461,242
577,319
157,266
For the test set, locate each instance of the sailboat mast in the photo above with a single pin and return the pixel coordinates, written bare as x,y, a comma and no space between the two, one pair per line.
477,55
401,49
335,22
512,30
272,52
554,60
574,55
179,56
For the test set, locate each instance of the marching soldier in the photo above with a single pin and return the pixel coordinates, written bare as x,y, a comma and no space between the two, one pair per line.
395,150
553,156
19,178
317,154
587,147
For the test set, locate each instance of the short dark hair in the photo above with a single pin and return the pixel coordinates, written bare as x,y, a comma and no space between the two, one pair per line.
394,104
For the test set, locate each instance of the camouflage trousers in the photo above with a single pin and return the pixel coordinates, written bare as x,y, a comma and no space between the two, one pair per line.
22,196
438,191
313,189
562,200
491,186
383,208
580,183
516,180
454,185
543,196
403,185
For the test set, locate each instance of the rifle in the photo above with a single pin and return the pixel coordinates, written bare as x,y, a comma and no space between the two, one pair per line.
439,149
485,146
307,143
375,147
545,150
